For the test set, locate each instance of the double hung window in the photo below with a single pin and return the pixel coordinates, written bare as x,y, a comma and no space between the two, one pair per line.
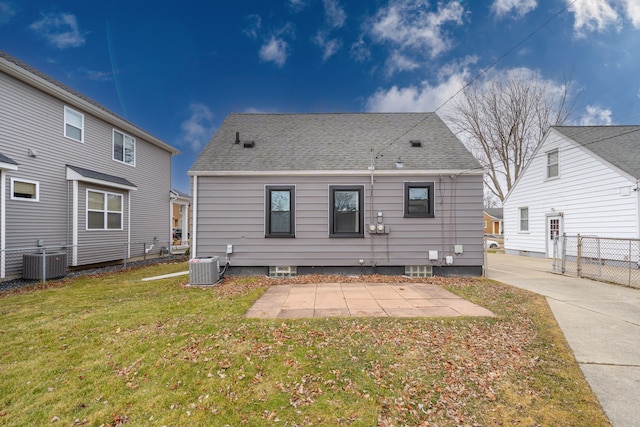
73,124
280,211
524,219
552,164
418,200
346,211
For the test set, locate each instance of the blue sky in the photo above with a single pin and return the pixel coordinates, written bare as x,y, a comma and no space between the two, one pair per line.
177,69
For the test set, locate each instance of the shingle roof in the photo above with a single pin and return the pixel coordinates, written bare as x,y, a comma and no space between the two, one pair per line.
101,176
494,212
335,141
29,69
5,159
618,145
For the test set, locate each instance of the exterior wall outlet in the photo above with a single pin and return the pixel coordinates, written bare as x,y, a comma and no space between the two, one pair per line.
448,260
457,249
433,255
229,249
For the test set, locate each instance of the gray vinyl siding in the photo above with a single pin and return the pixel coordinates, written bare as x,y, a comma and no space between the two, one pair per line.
31,119
231,210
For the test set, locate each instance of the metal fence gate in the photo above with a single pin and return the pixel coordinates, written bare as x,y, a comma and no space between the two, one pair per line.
606,259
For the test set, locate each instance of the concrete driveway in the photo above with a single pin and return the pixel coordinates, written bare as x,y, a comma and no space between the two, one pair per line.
601,323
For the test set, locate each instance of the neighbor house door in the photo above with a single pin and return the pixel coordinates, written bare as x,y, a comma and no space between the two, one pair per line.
554,231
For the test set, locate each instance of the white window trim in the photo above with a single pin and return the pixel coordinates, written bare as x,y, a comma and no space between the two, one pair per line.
27,181
105,211
64,130
557,163
520,230
113,143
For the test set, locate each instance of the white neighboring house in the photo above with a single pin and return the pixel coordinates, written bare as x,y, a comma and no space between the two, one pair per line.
581,179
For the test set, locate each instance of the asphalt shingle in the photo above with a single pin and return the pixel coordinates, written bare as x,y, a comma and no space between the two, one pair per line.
618,145
334,141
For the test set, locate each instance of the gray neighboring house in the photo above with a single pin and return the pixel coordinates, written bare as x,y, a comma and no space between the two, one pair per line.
391,193
72,173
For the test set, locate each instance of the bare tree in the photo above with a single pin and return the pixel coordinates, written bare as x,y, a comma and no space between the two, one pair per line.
503,120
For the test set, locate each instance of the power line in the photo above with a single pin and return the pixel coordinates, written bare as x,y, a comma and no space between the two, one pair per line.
481,73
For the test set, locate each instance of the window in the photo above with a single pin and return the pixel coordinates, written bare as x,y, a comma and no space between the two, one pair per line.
73,124
24,190
280,212
552,164
124,148
346,213
524,219
104,210
418,200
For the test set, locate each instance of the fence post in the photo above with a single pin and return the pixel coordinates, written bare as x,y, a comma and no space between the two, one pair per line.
629,266
564,252
579,260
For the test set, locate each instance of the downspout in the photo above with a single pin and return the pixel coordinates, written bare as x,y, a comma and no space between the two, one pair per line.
637,191
3,196
74,223
371,219
194,223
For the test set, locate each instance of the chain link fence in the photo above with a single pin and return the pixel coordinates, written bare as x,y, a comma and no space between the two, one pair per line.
605,259
30,265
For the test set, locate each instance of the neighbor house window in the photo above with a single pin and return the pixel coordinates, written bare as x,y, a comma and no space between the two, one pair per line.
73,124
524,219
104,210
124,148
280,212
346,213
24,190
552,164
418,200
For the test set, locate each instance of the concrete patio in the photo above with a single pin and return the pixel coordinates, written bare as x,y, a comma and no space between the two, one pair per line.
362,300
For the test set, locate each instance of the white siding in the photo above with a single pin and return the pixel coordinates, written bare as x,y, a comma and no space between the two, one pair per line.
593,197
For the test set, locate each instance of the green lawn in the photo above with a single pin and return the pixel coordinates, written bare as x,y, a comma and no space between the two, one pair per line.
114,350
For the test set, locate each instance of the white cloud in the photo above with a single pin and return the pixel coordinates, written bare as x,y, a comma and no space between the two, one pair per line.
99,76
632,8
335,14
596,115
329,47
406,25
593,15
424,97
6,12
274,50
297,5
398,62
197,129
519,8
360,51
59,29
253,27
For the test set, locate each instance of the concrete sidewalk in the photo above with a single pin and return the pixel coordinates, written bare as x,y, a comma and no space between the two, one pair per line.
601,323
362,300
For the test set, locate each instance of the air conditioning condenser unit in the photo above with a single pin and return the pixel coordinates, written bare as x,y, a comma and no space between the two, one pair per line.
204,271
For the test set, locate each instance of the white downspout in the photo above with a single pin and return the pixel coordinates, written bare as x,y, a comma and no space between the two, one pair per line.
3,197
74,225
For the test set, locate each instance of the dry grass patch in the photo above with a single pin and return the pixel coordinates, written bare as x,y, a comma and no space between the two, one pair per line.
113,350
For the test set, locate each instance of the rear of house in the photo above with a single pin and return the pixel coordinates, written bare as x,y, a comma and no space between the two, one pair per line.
76,175
340,193
581,180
